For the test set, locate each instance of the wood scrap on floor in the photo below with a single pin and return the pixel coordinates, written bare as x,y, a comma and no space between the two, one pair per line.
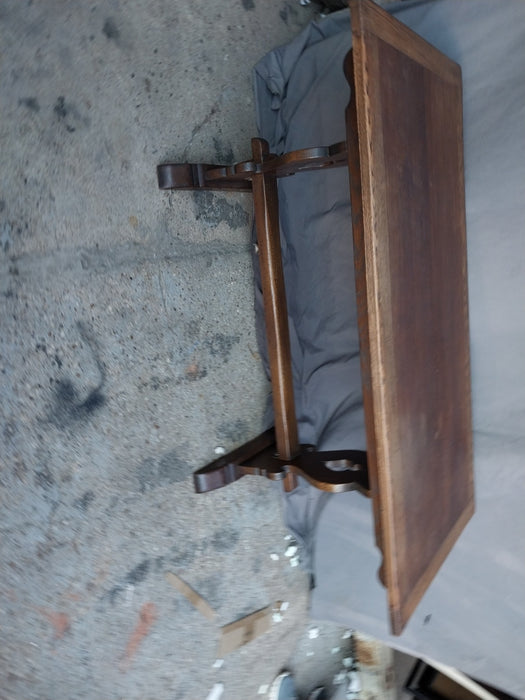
238,633
242,631
195,599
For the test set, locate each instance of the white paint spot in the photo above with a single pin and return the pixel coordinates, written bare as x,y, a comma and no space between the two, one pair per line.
354,683
216,692
291,550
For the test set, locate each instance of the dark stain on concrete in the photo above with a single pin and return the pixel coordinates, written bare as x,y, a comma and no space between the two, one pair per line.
84,501
181,557
172,468
139,573
213,210
132,578
427,619
60,107
159,564
67,406
162,471
224,153
68,111
289,12
225,539
232,431
114,593
110,29
44,478
155,383
220,345
31,103
248,4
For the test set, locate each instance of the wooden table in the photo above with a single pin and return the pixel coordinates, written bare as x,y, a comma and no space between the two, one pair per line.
404,151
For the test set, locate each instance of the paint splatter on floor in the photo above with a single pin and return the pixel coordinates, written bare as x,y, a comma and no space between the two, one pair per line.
59,620
147,618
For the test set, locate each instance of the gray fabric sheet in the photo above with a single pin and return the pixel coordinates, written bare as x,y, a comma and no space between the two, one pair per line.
473,615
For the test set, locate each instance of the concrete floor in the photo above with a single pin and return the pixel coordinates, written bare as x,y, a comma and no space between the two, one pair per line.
128,354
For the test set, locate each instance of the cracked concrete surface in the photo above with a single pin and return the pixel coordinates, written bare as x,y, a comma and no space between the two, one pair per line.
128,352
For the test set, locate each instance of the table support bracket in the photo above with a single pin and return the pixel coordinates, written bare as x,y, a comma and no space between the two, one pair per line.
332,471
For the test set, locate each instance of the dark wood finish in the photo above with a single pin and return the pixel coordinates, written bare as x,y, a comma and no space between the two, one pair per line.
239,176
412,293
192,176
275,454
404,152
335,471
266,206
356,202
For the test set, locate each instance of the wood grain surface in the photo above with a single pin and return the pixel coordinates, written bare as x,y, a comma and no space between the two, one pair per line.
412,289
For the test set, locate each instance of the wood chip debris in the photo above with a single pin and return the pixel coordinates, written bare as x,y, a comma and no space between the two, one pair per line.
242,631
195,599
